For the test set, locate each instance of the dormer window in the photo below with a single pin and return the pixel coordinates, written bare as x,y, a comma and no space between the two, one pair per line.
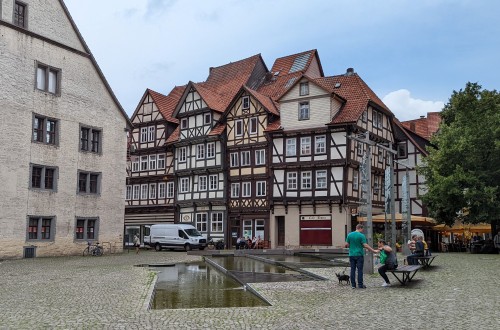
245,102
304,88
20,14
184,123
402,150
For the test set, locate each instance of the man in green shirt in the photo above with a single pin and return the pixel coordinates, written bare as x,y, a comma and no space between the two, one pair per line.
356,242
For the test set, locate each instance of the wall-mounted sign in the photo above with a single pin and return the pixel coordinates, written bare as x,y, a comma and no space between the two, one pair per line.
316,217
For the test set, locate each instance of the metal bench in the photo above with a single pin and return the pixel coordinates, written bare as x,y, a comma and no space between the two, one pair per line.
425,261
408,272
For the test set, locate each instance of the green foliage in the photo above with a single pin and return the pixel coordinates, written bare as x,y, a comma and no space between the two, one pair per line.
463,170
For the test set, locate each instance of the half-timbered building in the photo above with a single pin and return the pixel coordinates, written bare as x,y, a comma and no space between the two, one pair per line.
150,181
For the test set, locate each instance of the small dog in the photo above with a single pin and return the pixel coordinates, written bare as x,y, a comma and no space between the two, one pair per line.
343,277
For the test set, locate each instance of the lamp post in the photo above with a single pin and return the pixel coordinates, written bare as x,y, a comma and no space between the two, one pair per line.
406,210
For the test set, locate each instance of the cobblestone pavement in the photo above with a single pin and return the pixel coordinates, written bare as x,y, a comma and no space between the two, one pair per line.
460,291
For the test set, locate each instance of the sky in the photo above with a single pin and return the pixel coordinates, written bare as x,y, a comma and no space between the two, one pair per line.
412,54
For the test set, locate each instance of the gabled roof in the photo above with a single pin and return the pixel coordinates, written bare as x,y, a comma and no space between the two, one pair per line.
295,63
278,85
425,127
266,101
166,104
417,140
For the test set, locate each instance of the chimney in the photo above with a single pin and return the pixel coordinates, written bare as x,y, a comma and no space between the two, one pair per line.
349,72
210,70
269,76
422,117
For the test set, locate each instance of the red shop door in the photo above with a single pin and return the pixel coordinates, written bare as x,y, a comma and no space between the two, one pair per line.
316,232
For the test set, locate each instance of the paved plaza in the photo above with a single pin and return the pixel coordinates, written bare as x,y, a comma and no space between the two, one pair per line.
460,291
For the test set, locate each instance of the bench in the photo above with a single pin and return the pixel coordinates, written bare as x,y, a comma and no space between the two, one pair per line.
408,272
425,261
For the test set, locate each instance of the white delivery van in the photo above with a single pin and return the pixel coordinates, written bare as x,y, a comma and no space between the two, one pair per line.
174,236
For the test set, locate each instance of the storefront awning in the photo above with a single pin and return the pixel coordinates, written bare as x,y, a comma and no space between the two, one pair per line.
415,219
459,227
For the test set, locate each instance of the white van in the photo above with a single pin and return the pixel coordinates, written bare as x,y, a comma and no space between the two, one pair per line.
174,236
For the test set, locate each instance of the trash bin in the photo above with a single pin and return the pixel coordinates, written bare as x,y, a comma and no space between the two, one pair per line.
29,251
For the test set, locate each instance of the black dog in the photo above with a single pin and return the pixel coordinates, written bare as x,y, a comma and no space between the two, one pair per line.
343,277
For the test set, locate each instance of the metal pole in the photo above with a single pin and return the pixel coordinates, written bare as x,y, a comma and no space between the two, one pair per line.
408,213
368,263
393,204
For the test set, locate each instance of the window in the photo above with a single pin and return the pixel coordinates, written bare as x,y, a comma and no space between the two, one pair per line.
235,190
239,127
211,150
184,183
162,192
182,154
201,222
144,163
152,162
245,101
217,222
45,130
161,161
320,144
43,177
380,156
360,149
234,159
213,181
304,88
128,195
261,188
136,190
151,133
89,182
20,14
402,150
245,158
246,189
303,110
291,180
321,179
377,119
170,189
48,78
364,116
86,228
253,125
305,145
376,185
260,157
41,228
144,134
90,139
200,151
202,183
144,191
135,164
152,191
291,147
207,118
306,180
355,180
184,123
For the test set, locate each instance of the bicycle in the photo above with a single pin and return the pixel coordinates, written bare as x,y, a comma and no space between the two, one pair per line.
93,250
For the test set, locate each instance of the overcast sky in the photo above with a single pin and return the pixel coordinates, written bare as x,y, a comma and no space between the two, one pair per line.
413,54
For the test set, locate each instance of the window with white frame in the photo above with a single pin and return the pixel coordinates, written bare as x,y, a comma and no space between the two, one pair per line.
246,189
161,161
170,190
217,222
245,158
135,164
305,145
253,125
151,133
41,228
184,183
304,88
247,228
137,190
291,180
360,149
260,157
202,183
211,150
321,179
355,179
152,162
144,163
303,110
128,195
291,147
152,191
144,134
201,222
306,177
207,118
235,190
245,102
200,151
184,123
213,182
162,190
320,144
144,191
234,159
182,154
238,127
261,188
48,79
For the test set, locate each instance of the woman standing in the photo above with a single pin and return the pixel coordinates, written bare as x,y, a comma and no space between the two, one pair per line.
387,259
137,243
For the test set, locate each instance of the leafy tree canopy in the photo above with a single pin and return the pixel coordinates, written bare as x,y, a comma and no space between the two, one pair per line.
463,168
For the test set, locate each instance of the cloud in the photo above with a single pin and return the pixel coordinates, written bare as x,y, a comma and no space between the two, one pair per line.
405,107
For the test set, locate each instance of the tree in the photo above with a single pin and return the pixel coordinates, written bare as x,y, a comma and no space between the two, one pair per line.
462,170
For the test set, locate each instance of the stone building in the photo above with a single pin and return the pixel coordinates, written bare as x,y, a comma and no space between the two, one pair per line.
62,156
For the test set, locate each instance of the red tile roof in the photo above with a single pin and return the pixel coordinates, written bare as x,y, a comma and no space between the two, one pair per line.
166,104
425,127
274,126
266,101
174,137
293,63
218,129
278,85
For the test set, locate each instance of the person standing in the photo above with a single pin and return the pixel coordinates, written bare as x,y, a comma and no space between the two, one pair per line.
496,241
388,260
356,242
137,243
